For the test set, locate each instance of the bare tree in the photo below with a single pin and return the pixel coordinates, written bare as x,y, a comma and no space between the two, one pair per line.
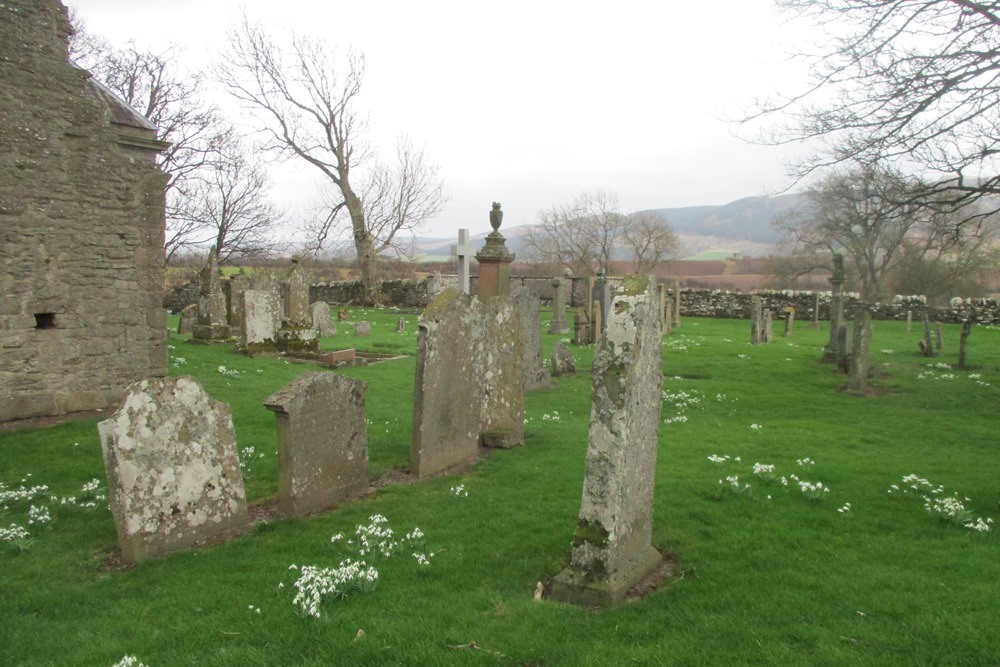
305,97
153,85
229,202
909,82
879,219
650,240
581,236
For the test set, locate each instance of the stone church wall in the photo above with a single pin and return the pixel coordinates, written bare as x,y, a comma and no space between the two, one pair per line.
81,228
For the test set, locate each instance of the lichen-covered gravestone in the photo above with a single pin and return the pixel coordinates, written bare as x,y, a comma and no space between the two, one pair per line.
321,319
189,315
261,314
612,546
173,468
536,375
322,441
363,328
468,388
562,361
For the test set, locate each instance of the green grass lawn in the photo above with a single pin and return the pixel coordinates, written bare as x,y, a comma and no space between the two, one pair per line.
765,575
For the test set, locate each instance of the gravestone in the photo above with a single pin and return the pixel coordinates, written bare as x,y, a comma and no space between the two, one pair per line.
612,548
831,352
581,327
337,358
677,306
401,324
596,323
536,375
494,260
668,317
926,347
469,387
843,351
261,318
297,332
322,441
236,285
909,321
768,326
963,341
463,252
362,328
321,319
601,297
756,321
857,381
189,315
173,468
789,321
558,324
815,320
212,311
562,361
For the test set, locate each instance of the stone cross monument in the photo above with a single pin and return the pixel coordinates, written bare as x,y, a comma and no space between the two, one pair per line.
463,251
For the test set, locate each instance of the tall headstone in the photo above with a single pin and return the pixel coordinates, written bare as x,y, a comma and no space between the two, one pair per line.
789,321
261,312
668,316
494,260
321,460
296,333
815,320
836,308
173,468
612,548
677,305
768,326
212,313
601,297
463,252
536,375
963,341
401,324
756,321
596,322
909,321
857,380
926,346
468,388
581,327
558,324
236,284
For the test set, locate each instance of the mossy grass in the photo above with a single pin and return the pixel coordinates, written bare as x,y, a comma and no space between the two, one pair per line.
764,576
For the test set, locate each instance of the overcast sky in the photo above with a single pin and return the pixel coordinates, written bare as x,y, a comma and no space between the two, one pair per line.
528,103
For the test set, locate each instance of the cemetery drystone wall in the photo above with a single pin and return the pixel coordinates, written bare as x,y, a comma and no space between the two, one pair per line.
81,228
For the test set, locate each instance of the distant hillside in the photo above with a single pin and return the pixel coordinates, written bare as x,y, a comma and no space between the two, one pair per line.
742,226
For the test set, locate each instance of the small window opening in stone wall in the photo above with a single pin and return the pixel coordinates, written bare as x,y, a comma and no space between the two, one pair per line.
45,320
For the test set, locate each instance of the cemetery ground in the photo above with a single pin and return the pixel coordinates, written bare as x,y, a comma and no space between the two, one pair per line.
861,574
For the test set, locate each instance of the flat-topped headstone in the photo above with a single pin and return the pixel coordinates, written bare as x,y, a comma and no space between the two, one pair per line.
468,387
237,284
362,328
581,327
212,311
322,441
562,361
321,319
401,325
612,546
857,382
173,468
536,375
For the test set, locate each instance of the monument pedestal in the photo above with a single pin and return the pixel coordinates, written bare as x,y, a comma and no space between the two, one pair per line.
582,588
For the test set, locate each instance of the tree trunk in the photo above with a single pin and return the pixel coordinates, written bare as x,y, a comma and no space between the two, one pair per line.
364,245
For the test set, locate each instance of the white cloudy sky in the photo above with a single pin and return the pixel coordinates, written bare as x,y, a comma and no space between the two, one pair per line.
529,103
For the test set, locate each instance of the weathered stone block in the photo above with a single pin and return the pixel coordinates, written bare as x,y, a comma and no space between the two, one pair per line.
321,319
173,468
261,312
362,328
469,381
562,361
612,547
322,441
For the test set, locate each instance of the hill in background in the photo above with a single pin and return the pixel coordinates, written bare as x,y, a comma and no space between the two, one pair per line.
707,232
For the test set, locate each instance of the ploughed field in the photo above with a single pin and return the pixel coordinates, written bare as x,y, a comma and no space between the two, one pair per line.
780,498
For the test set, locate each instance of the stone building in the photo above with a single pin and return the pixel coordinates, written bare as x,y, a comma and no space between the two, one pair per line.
81,228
